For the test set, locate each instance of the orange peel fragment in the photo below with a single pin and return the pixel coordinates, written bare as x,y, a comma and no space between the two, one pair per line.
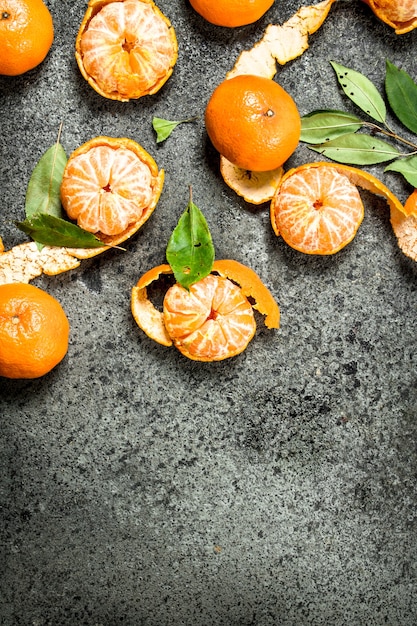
404,225
282,43
401,15
254,187
151,320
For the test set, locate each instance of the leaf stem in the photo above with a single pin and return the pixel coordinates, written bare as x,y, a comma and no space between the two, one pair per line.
390,133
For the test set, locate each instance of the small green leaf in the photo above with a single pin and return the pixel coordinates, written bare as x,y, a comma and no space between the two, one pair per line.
357,149
401,92
407,167
190,250
164,128
50,230
43,190
361,91
321,126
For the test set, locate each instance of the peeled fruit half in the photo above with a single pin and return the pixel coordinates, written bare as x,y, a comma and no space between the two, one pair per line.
399,14
125,49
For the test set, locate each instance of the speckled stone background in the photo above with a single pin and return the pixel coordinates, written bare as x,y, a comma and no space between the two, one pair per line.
276,488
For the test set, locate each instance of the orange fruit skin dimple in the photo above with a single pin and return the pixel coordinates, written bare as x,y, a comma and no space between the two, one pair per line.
34,331
253,122
231,13
210,322
26,35
125,49
316,210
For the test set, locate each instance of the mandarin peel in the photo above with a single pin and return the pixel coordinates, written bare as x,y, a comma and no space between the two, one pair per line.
282,43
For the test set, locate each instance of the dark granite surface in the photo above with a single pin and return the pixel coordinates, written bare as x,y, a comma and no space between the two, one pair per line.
276,488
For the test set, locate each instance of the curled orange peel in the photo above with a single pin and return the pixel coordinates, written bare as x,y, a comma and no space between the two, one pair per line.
282,43
151,320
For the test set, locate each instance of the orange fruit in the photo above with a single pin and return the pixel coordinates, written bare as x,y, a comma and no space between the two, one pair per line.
253,122
316,210
34,331
125,48
399,14
26,35
212,321
231,12
109,186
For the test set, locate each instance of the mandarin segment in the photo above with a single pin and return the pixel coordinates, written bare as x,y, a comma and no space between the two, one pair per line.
126,49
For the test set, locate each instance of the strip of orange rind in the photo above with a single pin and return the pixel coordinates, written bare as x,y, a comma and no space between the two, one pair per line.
251,286
145,314
282,43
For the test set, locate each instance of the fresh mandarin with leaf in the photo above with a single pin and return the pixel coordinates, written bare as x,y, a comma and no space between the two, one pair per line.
110,186
213,319
34,331
253,122
125,49
26,35
208,311
231,13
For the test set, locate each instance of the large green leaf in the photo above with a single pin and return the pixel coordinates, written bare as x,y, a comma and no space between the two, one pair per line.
407,167
357,149
401,92
321,126
361,91
190,250
50,230
43,190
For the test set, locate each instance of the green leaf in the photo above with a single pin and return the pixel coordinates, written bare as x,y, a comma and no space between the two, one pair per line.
401,92
321,126
164,128
50,230
407,167
357,149
361,91
190,250
43,190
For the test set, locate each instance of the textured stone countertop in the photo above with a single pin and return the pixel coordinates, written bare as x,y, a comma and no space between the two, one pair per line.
276,488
